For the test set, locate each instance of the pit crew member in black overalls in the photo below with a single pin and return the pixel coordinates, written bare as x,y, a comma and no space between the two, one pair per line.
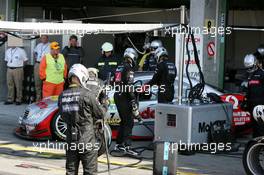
80,109
150,63
259,54
126,102
163,77
255,90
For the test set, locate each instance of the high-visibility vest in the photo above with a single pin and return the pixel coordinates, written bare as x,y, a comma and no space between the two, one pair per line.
55,69
112,63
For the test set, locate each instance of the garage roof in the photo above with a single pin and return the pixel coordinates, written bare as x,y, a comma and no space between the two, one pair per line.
233,4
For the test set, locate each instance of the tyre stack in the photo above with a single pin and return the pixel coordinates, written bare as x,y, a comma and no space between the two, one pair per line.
29,92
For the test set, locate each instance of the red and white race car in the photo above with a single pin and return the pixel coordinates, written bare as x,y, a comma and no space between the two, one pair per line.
42,121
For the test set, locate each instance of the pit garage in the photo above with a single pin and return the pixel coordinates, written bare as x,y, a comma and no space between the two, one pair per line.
224,33
242,16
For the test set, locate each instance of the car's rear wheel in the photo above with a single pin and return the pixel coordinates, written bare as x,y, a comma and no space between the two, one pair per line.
58,127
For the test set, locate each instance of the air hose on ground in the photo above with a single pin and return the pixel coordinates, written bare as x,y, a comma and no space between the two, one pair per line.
106,148
139,157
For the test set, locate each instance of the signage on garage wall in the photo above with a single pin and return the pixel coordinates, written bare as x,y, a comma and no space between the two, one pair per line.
222,24
209,23
193,70
211,49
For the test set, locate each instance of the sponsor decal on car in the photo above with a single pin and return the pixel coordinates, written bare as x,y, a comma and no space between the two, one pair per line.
240,117
148,113
42,104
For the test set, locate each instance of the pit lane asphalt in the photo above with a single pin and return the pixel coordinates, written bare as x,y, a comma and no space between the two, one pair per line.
20,157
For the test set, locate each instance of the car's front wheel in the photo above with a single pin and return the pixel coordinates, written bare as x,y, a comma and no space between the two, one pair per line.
58,127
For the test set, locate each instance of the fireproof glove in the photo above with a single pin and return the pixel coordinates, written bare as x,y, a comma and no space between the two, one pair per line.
135,111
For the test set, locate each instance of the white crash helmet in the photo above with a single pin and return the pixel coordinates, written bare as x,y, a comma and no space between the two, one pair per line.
250,61
131,53
92,73
107,47
261,49
146,46
79,71
155,44
258,113
161,51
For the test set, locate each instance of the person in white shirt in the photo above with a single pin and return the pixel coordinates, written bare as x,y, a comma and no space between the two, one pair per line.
15,58
40,50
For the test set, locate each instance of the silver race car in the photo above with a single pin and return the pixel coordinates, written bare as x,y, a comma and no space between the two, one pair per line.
42,121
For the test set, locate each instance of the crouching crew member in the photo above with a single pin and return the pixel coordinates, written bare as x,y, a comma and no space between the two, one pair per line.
80,110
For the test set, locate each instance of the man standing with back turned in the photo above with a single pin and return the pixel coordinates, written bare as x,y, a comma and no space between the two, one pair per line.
80,110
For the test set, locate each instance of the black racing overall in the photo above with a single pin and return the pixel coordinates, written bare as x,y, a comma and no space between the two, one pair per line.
125,99
164,77
80,109
255,96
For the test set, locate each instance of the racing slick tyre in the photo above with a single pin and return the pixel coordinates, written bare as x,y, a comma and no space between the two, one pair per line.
58,128
253,157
